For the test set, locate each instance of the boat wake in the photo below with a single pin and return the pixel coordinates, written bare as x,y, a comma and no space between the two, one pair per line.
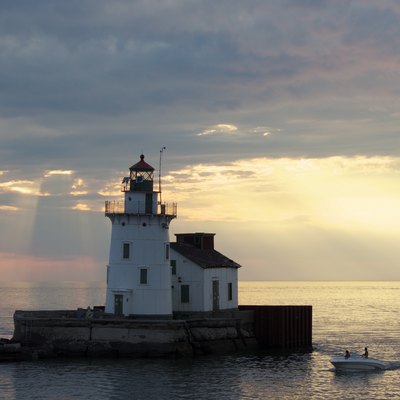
392,365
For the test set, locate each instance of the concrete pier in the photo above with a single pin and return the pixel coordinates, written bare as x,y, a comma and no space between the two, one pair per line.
81,333
62,333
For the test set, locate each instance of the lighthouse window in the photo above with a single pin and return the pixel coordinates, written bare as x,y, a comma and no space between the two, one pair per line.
167,251
230,291
126,250
172,263
184,293
143,276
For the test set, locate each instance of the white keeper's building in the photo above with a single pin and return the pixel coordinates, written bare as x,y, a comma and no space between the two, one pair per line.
202,278
147,276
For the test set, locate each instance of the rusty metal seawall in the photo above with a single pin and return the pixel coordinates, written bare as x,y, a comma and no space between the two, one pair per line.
282,327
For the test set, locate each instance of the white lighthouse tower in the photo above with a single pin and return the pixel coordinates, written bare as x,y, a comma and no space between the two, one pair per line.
139,272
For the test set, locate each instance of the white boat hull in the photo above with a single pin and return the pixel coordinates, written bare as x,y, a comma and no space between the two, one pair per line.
357,363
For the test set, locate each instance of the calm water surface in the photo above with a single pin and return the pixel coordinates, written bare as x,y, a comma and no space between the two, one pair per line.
346,315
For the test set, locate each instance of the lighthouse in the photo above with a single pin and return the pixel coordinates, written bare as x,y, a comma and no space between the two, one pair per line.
139,272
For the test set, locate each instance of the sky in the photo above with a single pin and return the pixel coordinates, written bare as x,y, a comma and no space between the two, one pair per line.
280,121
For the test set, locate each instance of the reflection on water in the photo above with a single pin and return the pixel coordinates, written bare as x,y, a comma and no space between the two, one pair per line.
347,315
257,376
227,377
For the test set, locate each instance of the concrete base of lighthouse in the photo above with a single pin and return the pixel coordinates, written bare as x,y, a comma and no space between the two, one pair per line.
44,334
61,333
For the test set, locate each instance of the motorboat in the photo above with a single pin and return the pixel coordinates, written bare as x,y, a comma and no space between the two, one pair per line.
357,362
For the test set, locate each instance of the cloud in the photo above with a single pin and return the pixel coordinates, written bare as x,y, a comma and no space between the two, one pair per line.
81,207
56,189
219,129
22,187
230,130
264,130
146,74
172,57
58,172
79,187
79,193
8,208
280,97
111,188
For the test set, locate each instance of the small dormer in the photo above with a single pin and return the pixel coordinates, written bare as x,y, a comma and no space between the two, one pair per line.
141,177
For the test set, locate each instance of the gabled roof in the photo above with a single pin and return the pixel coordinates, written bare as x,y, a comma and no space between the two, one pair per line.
141,165
209,258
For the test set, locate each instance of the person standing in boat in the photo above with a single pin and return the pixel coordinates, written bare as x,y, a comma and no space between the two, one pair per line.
365,352
347,354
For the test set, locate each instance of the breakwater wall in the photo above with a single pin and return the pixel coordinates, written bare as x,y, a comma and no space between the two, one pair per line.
62,333
45,334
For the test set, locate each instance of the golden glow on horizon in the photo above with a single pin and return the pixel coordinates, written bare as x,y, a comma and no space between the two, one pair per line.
293,214
345,192
356,192
21,267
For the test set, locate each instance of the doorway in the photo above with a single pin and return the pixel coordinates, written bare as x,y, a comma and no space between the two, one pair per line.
215,295
118,304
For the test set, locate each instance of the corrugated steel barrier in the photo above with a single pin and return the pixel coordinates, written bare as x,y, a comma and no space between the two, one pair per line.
282,327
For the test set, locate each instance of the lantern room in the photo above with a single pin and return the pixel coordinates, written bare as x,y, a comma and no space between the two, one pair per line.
141,177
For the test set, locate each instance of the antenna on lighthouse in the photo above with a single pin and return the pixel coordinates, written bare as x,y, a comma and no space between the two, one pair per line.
159,173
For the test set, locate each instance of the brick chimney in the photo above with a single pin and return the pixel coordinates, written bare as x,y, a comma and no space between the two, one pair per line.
201,240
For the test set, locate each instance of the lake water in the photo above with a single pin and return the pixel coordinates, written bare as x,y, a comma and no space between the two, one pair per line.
346,315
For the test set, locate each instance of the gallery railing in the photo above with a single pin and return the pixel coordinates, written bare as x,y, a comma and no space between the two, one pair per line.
118,207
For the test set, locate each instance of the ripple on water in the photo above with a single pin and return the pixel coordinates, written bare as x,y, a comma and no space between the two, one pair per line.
346,315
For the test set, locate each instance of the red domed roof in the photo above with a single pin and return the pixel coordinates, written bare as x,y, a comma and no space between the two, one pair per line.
141,165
